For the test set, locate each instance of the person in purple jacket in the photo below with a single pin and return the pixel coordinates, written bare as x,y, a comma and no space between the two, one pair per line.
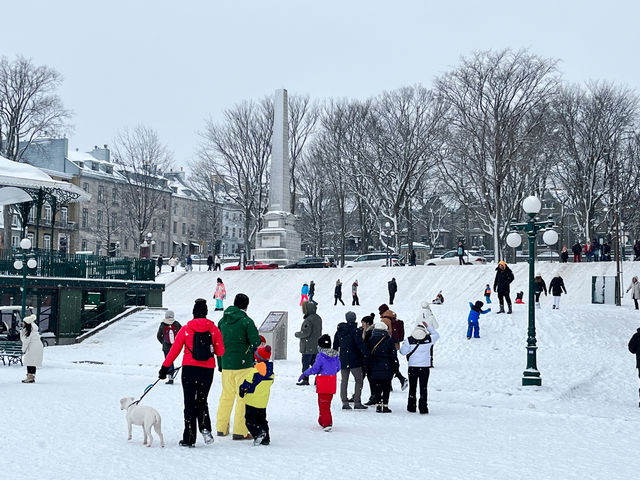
326,367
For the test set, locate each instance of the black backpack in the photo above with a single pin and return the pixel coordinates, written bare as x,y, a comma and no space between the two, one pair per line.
202,346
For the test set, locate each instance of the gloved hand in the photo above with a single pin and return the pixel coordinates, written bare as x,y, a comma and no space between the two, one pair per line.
162,374
241,392
302,377
488,309
219,364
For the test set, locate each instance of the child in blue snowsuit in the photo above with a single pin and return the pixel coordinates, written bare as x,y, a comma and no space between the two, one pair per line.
487,294
474,316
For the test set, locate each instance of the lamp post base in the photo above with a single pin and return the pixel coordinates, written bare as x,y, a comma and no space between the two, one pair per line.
531,377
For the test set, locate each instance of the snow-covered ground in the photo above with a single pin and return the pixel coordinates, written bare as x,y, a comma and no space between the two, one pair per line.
582,423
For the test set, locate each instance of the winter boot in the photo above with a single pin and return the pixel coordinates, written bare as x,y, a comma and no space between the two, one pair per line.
405,384
379,408
501,309
350,400
359,406
411,404
208,438
182,443
509,309
31,378
386,409
537,304
422,406
327,428
370,402
259,439
346,406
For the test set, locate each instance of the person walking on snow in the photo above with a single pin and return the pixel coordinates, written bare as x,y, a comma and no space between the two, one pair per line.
474,317
635,286
173,262
217,263
337,294
353,355
220,294
32,348
326,367
241,338
577,250
487,294
418,350
310,332
501,284
354,294
539,287
304,293
159,264
460,252
312,292
209,263
197,371
557,287
393,288
167,333
634,347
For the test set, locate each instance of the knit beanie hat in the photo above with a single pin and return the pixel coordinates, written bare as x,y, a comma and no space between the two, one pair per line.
200,309
351,317
383,308
324,341
380,326
419,332
29,319
263,353
169,317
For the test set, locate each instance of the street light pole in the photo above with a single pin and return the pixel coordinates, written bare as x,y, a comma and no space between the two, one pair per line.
24,261
531,205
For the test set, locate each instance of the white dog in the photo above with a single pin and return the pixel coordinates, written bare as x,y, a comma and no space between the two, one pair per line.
142,415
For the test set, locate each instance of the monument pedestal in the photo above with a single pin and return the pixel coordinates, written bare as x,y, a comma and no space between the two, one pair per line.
278,241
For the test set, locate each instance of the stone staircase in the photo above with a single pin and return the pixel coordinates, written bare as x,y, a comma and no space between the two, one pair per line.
128,322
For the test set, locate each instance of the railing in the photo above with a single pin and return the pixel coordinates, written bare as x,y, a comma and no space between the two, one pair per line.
56,264
97,311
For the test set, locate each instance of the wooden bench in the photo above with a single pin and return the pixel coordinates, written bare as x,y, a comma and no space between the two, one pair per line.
11,352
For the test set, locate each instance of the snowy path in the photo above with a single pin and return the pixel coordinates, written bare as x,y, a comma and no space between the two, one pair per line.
582,423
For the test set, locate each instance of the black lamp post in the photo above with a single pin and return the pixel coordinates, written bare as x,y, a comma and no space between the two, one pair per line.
531,205
25,261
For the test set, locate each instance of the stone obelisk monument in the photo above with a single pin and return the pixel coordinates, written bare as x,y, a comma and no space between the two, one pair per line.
278,241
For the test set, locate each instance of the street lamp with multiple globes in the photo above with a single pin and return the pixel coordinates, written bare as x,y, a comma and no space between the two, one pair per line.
531,205
147,243
24,261
390,233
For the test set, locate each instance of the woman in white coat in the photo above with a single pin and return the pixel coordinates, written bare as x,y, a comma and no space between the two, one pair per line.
417,348
32,348
635,286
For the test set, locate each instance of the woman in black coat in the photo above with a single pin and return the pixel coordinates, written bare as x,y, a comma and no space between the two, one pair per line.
353,354
501,285
382,365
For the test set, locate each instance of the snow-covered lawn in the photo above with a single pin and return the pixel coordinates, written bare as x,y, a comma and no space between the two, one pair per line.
582,423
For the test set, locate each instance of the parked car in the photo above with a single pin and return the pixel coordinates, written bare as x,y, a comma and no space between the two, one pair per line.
310,262
254,265
451,258
378,259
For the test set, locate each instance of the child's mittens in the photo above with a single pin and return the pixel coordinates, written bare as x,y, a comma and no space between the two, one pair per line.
302,377
241,392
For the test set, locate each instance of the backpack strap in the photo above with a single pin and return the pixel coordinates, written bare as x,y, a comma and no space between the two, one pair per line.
412,351
376,345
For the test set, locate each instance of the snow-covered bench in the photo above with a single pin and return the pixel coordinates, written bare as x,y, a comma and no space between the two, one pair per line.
11,352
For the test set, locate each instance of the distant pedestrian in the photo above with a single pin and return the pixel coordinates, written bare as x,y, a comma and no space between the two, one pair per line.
412,258
564,255
209,263
189,266
337,294
220,294
393,288
606,252
487,294
460,253
304,293
635,287
32,348
576,249
173,262
167,333
588,251
217,263
501,284
634,347
636,251
354,294
539,287
159,264
312,291
557,288
473,318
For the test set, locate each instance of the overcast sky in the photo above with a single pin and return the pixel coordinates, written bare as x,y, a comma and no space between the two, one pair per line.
171,65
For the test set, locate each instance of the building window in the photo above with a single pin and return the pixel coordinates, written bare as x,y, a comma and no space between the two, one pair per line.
32,214
85,187
15,241
126,243
184,211
30,237
240,233
101,193
184,228
114,220
154,224
64,215
193,211
175,227
46,242
233,232
84,246
161,247
175,209
226,231
164,204
162,224
114,194
85,218
99,219
98,247
47,213
153,247
14,221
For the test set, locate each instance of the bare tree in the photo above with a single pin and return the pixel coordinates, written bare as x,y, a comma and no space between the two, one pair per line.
303,117
29,107
209,188
498,131
237,154
142,160
591,123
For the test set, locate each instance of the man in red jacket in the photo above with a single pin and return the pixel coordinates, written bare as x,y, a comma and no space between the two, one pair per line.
197,370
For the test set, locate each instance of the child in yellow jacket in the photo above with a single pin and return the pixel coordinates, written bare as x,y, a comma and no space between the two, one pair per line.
255,390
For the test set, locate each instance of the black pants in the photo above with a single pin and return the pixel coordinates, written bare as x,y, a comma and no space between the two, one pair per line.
381,390
338,299
196,382
635,300
217,267
355,301
502,296
537,294
209,268
256,420
392,295
460,260
31,370
418,375
171,368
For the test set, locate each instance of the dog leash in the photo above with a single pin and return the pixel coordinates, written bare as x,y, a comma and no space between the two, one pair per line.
149,387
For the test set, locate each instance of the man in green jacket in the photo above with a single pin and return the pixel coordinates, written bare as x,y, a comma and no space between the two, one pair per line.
241,338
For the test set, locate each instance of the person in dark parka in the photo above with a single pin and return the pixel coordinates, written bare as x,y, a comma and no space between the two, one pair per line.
557,288
167,333
353,354
382,364
634,347
501,284
393,288
310,332
539,287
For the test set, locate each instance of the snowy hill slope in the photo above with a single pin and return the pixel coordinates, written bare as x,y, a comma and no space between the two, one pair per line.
582,422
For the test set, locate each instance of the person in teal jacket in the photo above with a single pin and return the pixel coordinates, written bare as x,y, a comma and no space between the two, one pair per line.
255,390
241,338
